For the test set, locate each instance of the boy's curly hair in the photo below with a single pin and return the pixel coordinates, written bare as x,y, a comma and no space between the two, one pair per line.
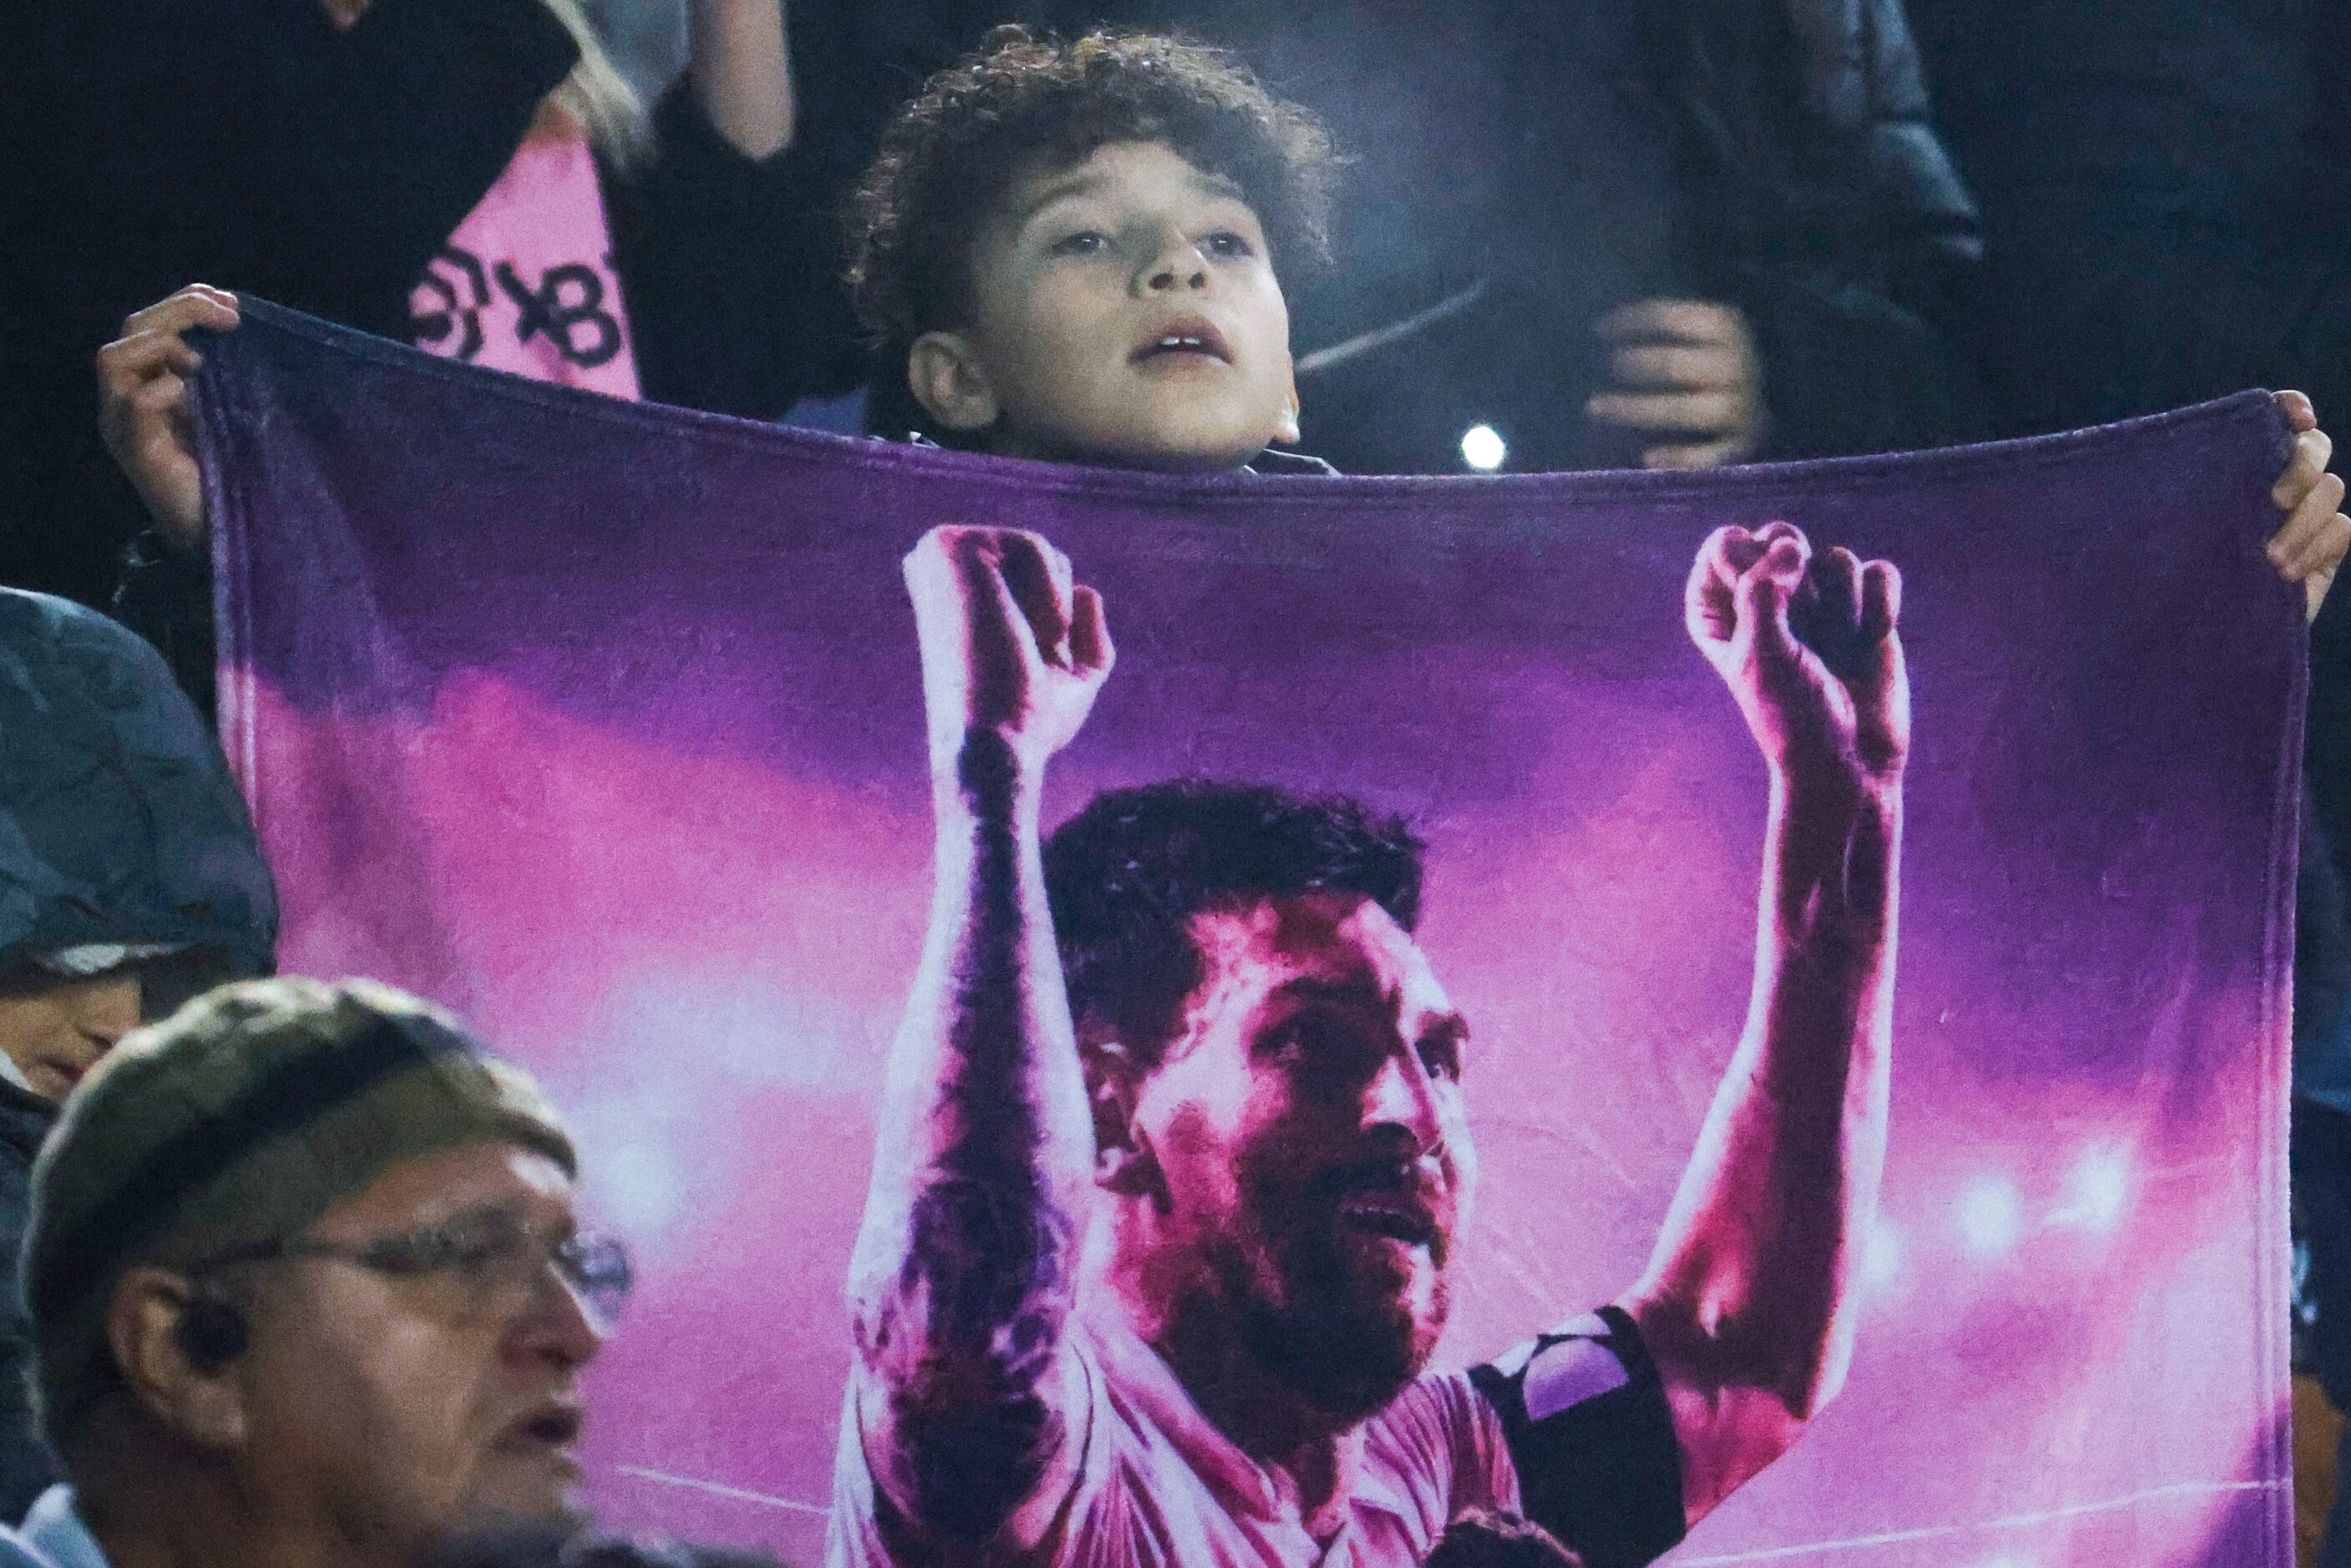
949,158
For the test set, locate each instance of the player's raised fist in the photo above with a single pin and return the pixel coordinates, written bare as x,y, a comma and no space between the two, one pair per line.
1011,646
1810,647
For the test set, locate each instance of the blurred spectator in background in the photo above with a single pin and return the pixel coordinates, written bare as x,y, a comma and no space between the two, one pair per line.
472,175
2167,188
130,880
1678,234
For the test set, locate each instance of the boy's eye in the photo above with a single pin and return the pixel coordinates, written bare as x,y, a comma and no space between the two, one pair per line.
1226,244
1085,242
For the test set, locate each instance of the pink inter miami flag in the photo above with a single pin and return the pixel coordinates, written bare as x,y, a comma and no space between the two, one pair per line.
1409,1117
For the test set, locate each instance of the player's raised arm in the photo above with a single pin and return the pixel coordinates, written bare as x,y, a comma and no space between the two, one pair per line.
1747,1305
966,1263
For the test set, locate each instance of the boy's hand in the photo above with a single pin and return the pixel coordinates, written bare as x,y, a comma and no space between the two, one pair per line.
1809,646
2316,534
1010,645
1687,372
142,411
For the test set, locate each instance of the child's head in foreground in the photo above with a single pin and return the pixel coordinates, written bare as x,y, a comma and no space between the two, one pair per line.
1075,245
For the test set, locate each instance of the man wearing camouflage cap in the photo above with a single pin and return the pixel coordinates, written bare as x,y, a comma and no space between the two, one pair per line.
305,1290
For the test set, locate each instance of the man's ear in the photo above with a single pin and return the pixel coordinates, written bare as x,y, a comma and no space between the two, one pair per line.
1124,1163
947,378
200,1402
1286,432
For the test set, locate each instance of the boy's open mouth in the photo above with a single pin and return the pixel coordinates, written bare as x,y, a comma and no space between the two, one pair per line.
1189,336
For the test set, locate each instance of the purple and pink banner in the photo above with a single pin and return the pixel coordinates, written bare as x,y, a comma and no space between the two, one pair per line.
603,725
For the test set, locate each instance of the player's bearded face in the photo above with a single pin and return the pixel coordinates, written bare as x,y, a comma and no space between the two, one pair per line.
1308,1125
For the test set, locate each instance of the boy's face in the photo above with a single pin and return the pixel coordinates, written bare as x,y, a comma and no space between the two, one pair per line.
1124,312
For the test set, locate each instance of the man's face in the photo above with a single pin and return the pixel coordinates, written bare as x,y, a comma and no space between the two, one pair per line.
397,1410
1309,1126
1126,312
55,1030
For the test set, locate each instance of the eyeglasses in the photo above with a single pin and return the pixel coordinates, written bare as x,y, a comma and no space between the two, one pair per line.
483,1266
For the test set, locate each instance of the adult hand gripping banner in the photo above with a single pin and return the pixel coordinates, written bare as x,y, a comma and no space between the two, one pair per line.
1408,839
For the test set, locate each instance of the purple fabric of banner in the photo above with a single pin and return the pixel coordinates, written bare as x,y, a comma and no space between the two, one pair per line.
602,724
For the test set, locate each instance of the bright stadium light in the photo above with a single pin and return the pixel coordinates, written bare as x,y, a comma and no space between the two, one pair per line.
2098,1190
1991,1216
640,1183
1482,448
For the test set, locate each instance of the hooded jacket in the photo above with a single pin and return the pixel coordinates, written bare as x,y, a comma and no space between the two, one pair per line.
119,826
119,821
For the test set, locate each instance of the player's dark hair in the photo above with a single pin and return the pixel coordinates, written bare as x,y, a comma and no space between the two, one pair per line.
1125,876
1489,1538
949,158
554,1545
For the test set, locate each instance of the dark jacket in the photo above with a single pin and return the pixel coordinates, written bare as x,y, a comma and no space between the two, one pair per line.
26,1466
248,143
119,821
2167,189
118,825
2321,972
1534,166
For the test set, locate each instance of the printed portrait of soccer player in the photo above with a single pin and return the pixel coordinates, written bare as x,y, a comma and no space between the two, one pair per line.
1176,1145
